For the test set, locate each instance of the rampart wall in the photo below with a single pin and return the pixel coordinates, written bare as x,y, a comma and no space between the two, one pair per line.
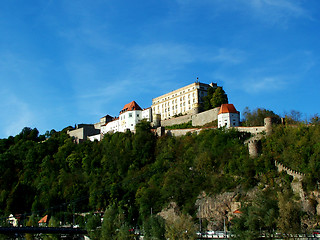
199,119
252,130
203,118
176,120
289,171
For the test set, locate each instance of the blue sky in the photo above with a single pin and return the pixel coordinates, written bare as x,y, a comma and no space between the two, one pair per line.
74,61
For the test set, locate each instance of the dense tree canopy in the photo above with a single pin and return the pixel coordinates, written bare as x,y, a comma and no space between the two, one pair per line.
257,116
133,175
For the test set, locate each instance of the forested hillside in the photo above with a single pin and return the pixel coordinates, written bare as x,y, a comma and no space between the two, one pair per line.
140,174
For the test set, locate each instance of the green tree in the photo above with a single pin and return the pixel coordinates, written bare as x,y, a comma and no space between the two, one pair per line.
207,99
112,222
124,233
92,226
258,217
214,98
315,119
293,117
219,97
289,220
257,116
154,228
182,228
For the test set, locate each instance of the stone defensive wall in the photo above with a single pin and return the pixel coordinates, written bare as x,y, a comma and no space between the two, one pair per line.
182,132
203,118
176,120
294,174
199,119
252,130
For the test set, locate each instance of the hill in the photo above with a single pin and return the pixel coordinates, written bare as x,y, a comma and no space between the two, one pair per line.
139,175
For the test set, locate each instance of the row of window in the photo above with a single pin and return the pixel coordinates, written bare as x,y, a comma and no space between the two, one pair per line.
130,116
170,114
174,95
165,105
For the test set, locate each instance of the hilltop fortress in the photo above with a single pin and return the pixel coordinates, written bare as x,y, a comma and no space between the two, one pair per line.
176,107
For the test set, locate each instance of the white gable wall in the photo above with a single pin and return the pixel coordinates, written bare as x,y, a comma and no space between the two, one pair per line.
129,119
228,120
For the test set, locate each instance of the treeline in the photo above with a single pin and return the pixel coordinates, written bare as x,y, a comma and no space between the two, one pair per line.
134,171
131,176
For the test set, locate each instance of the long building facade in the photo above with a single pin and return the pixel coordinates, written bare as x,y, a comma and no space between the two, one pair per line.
185,100
129,116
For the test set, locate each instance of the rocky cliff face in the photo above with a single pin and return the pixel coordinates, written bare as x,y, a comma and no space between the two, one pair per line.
217,210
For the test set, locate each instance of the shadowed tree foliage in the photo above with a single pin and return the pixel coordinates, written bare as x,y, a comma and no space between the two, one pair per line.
137,172
257,116
214,98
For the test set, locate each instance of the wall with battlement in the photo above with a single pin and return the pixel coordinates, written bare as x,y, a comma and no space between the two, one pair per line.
289,171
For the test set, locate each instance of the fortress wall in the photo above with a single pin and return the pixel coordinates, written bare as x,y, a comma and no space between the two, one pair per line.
290,172
177,120
252,130
203,118
181,132
77,134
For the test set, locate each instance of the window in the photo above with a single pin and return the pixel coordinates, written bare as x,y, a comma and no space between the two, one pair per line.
130,115
138,115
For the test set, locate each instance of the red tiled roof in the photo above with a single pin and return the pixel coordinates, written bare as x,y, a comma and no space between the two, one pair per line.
44,219
237,211
227,108
131,106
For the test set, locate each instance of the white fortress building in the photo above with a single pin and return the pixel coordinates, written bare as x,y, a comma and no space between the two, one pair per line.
166,110
128,118
185,100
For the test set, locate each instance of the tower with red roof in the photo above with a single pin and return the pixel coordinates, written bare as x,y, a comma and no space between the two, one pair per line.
228,116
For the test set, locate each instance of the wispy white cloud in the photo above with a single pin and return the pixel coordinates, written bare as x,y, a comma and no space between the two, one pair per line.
179,54
229,56
276,11
267,11
264,84
278,74
16,114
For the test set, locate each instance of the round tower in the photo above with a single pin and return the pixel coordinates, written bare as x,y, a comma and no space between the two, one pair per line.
156,120
253,148
268,125
196,108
